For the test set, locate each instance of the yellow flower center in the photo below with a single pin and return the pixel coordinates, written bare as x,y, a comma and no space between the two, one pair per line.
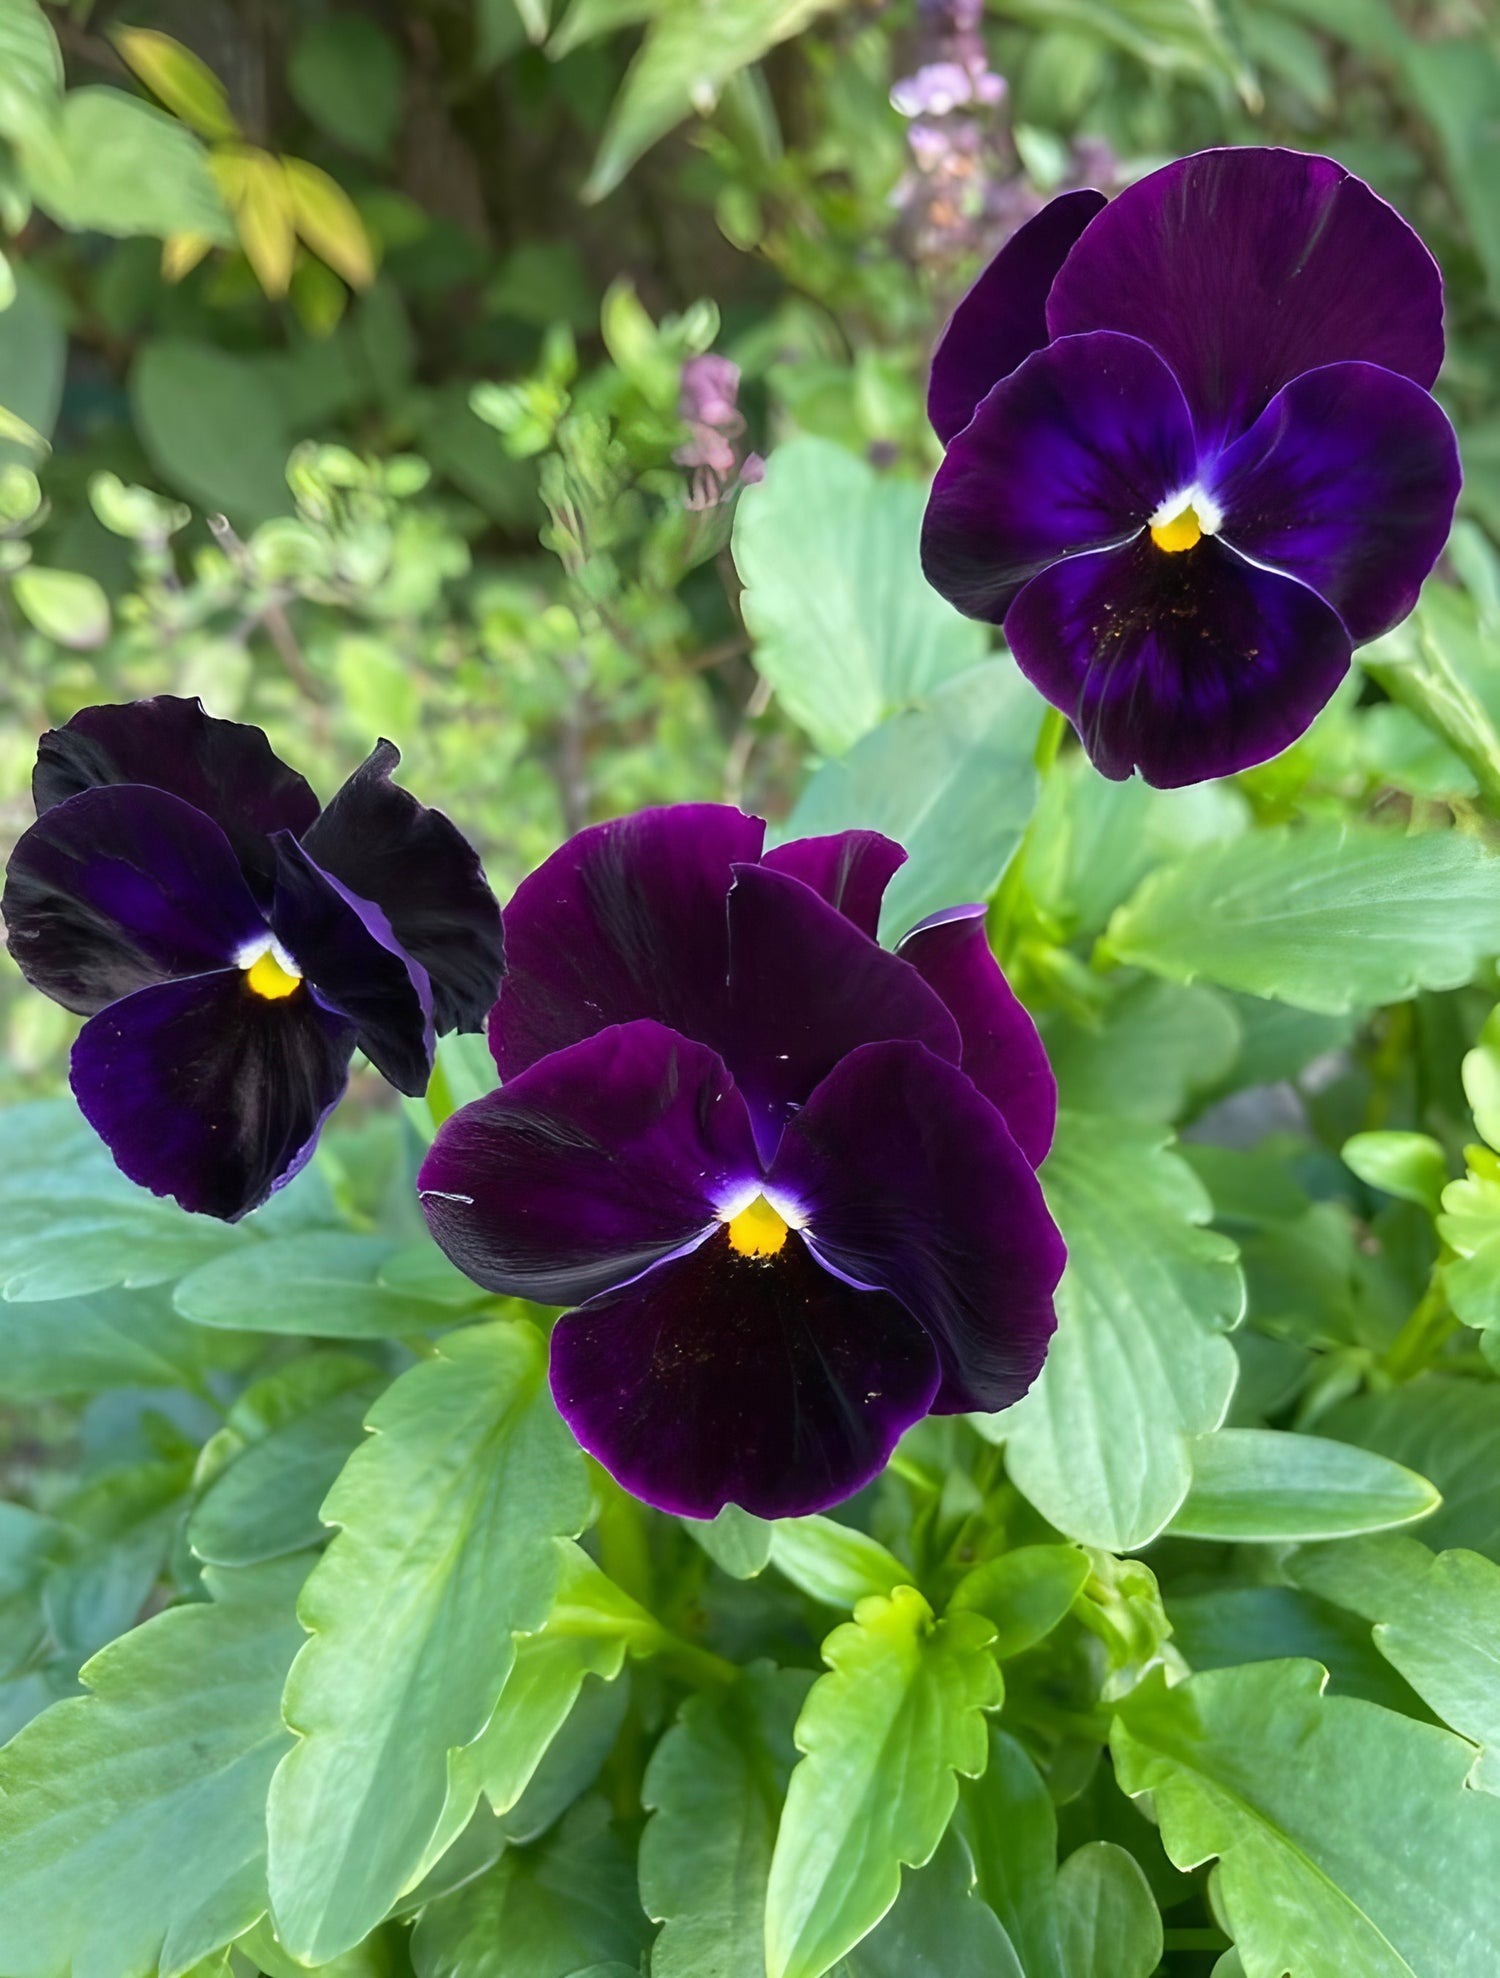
267,977
1179,532
757,1231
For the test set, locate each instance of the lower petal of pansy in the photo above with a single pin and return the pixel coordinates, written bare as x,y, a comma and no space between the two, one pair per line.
907,1179
206,1092
724,1379
1348,480
1077,448
346,950
1002,1052
1183,666
849,869
425,876
117,888
590,1166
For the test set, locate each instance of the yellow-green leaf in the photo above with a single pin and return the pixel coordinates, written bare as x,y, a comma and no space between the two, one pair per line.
188,87
328,221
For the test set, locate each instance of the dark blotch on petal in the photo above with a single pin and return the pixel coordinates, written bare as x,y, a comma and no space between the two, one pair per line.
911,1181
206,1092
1002,1052
589,1166
425,876
849,869
719,1379
345,948
117,888
1183,666
226,769
1003,318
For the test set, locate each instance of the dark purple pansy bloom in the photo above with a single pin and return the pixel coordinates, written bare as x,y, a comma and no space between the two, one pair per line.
786,1176
1192,455
231,942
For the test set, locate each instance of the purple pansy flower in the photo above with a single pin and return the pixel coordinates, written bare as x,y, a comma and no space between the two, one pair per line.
1192,456
231,942
786,1176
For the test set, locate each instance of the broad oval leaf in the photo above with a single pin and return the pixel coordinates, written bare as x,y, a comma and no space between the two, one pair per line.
326,1284
834,1563
1264,1485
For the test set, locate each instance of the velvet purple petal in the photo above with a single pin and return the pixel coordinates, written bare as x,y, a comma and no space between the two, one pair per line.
425,876
1003,318
1182,666
1002,1052
590,1166
911,1182
1244,268
345,948
806,987
719,1379
117,888
204,1091
626,920
226,769
850,870
1074,450
1347,480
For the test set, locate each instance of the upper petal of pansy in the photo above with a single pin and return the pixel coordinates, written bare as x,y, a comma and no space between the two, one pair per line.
226,769
849,869
1183,666
590,1166
1075,449
760,1381
1245,267
1348,480
204,1091
806,987
627,919
1002,1052
117,888
345,948
908,1180
1003,318
425,876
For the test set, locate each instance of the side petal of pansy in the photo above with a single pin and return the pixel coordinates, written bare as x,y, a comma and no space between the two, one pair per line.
1003,1053
1078,448
591,1166
1348,481
419,869
208,1092
848,869
1003,318
907,1180
226,769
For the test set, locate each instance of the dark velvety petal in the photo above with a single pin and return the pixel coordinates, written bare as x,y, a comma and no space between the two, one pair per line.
1347,480
345,948
720,1379
806,987
1074,450
590,1166
850,870
910,1181
425,876
626,920
204,1091
1003,318
1246,267
117,888
1183,666
224,768
1002,1052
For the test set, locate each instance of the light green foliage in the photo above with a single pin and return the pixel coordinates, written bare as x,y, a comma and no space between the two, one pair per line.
1411,1165
938,1927
324,1283
1109,1926
1445,1430
737,1542
1147,1053
834,1563
1259,1485
1023,1594
121,167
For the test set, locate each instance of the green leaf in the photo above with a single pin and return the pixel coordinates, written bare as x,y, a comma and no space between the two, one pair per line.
737,1543
834,1563
1230,1626
939,1928
1101,1445
1410,1165
325,1283
345,73
31,73
132,1820
1446,1430
714,1788
84,1346
1327,917
121,167
213,428
846,627
1456,83
1442,666
1008,1820
1023,1594
884,1733
952,779
1108,1922
187,86
63,605
1294,1791
1155,1045
1259,1486
33,353
448,1515
1481,1078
